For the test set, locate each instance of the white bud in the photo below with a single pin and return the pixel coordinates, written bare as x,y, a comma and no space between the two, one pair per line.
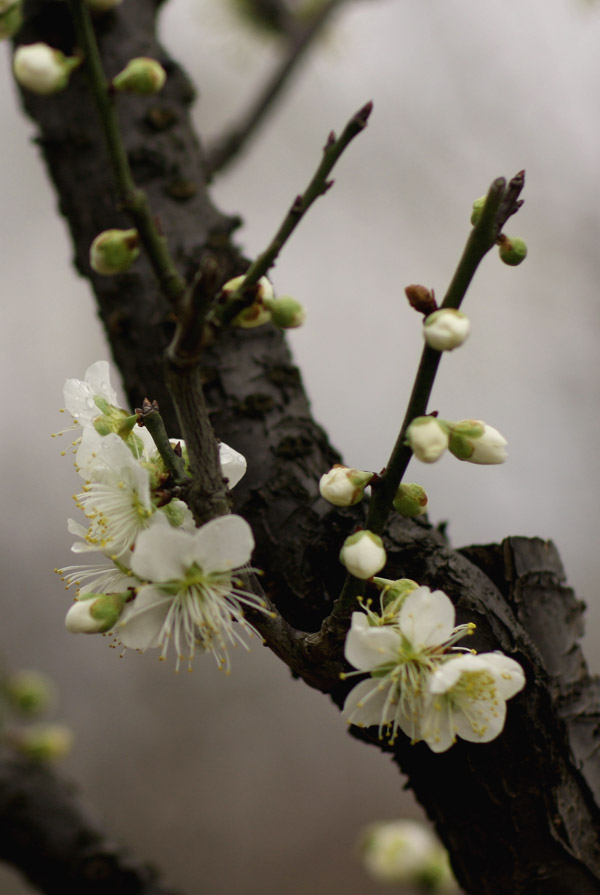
407,852
476,442
142,75
41,69
363,554
342,486
95,613
428,438
446,329
257,313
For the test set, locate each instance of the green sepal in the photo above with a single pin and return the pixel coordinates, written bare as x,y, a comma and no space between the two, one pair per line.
107,608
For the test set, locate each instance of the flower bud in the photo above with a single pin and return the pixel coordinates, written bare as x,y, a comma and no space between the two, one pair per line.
406,852
343,487
41,69
286,312
95,613
363,554
43,742
257,313
421,299
477,209
427,438
143,76
30,692
11,18
476,442
511,250
410,500
114,251
393,595
446,329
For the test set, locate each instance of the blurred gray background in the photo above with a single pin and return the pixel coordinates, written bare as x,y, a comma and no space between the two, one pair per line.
249,783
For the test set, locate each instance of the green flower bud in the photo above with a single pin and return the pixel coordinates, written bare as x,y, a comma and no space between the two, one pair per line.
95,613
477,209
143,76
393,595
410,500
42,69
43,742
30,692
11,18
114,251
286,312
512,250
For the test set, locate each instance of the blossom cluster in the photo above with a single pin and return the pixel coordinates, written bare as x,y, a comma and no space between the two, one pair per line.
159,578
419,682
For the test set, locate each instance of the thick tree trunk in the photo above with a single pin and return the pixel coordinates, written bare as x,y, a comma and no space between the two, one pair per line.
519,815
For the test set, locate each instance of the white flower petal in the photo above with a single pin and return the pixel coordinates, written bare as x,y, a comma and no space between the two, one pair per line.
510,676
142,620
233,464
222,544
367,647
427,617
161,552
365,703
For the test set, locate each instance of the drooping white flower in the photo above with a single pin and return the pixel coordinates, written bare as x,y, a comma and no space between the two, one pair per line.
86,399
191,597
467,698
343,486
400,659
446,329
476,442
117,501
363,554
427,438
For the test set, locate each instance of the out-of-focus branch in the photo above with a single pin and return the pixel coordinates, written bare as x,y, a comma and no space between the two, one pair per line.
227,147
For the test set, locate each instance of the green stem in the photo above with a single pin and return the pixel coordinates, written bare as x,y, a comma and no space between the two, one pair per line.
131,199
317,187
501,203
153,422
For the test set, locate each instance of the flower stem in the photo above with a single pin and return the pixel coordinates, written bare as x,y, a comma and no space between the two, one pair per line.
502,201
132,199
153,422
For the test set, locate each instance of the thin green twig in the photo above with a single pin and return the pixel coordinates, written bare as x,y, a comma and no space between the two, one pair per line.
132,199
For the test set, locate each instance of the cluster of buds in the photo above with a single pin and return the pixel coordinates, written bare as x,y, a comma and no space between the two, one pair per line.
471,440
284,312
28,695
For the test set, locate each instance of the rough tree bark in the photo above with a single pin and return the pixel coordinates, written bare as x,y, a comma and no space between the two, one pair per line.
520,814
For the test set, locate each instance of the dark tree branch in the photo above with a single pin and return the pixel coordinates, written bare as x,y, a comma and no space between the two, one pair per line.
520,814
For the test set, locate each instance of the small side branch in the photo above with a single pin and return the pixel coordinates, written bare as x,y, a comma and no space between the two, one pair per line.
227,147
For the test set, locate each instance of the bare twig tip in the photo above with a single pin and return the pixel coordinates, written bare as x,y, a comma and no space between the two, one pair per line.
330,141
362,116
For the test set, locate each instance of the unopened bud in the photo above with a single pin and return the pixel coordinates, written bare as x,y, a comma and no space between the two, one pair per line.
512,250
256,313
421,299
286,312
476,442
446,329
393,595
342,486
410,500
11,18
363,554
42,69
477,209
406,852
43,742
30,692
427,438
143,76
95,613
114,251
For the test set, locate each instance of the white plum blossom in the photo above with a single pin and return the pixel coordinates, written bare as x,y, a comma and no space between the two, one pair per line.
343,486
400,659
83,396
363,554
190,596
467,698
427,438
446,329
